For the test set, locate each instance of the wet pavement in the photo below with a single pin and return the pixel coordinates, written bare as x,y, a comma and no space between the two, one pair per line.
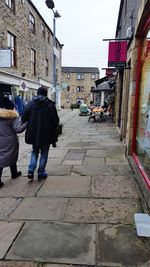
83,213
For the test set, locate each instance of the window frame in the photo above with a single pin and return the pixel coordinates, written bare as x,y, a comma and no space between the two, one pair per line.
93,76
11,44
48,36
10,4
32,22
46,67
68,75
43,30
80,76
33,61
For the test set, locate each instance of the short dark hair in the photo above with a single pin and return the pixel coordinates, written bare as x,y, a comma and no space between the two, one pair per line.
42,91
7,103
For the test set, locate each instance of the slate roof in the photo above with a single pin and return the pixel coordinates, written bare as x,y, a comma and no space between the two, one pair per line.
80,70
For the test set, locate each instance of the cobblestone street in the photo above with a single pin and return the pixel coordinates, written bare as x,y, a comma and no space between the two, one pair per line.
83,213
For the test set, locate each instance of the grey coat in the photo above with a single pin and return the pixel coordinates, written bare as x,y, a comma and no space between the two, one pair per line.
9,145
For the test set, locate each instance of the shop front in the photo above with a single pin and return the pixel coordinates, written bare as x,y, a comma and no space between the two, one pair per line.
141,134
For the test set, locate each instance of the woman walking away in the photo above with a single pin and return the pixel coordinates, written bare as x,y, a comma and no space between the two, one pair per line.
9,145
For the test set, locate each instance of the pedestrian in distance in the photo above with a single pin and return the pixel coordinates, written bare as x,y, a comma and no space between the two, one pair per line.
42,118
10,125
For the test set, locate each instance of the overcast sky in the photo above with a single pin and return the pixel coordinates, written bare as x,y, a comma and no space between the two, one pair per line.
82,27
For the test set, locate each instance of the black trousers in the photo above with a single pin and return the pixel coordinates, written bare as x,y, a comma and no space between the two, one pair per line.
13,170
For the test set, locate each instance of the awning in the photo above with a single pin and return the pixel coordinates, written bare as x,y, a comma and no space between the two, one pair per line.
105,86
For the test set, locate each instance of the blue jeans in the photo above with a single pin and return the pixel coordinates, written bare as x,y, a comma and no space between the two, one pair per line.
43,159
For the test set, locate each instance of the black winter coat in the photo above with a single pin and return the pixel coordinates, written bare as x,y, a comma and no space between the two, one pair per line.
42,118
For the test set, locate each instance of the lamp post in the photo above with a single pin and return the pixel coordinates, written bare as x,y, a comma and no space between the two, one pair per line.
50,4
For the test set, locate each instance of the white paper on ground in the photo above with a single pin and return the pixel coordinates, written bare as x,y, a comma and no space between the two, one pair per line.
142,222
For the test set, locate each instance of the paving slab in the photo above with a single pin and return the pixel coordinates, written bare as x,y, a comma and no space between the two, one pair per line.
114,187
96,153
94,161
97,169
7,206
75,154
101,210
18,264
20,187
8,232
60,170
82,144
61,243
40,209
119,245
66,186
56,265
55,161
114,159
57,153
72,162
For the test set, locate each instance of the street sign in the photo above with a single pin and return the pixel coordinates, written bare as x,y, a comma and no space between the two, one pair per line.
117,54
5,58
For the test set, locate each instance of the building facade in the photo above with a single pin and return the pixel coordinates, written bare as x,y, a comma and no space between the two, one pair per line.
24,32
77,84
133,88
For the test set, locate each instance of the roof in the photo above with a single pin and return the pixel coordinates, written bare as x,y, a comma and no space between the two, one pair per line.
80,69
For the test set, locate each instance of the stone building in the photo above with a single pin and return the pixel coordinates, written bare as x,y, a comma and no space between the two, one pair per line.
30,40
133,88
77,84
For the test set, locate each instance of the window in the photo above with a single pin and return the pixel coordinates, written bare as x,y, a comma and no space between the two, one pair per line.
32,23
93,76
33,62
82,89
80,76
48,37
10,4
79,89
43,30
46,67
143,119
11,43
68,75
68,88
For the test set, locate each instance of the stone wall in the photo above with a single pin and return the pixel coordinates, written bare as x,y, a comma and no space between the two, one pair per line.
18,25
69,97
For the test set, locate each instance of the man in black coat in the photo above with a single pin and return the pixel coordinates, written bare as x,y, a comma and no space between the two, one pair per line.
42,118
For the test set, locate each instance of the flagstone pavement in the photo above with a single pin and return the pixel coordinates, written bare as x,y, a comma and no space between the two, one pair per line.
83,213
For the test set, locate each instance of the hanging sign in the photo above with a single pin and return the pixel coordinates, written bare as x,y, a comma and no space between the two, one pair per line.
117,54
5,58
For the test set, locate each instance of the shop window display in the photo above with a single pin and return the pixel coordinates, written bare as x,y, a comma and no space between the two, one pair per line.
143,122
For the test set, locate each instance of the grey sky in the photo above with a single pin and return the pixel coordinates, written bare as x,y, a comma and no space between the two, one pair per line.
82,27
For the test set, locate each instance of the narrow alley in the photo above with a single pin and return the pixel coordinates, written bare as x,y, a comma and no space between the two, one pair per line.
83,213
